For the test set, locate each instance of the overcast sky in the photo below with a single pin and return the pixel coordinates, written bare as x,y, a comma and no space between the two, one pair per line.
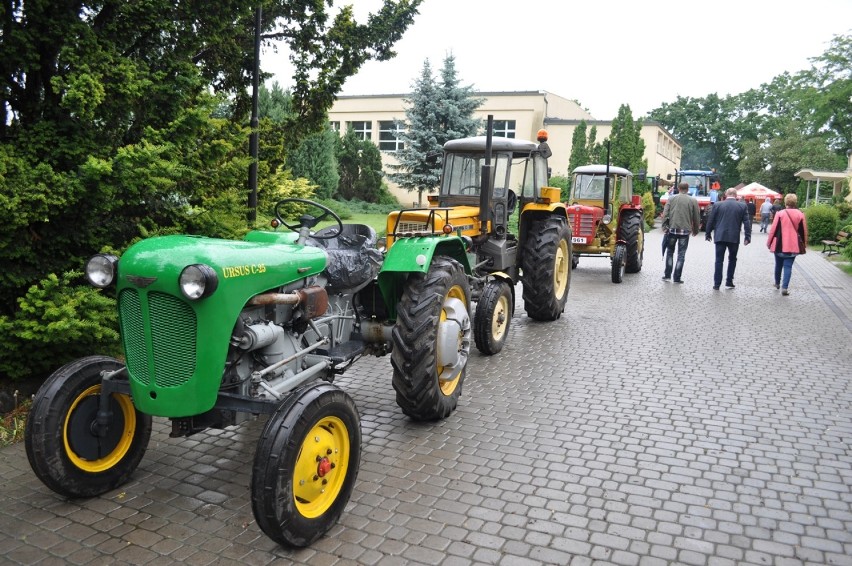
603,53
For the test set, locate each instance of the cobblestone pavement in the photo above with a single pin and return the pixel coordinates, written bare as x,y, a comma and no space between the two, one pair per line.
652,424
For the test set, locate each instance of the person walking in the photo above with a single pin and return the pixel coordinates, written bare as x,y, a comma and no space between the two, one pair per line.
681,218
725,219
765,214
788,227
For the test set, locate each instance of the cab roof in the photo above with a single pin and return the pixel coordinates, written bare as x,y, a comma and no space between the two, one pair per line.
477,144
601,170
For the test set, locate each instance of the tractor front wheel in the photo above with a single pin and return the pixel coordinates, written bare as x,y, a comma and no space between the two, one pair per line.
619,258
66,447
493,315
546,264
633,233
431,341
305,465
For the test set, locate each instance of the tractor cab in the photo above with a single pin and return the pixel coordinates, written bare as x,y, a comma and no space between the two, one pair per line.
589,199
470,205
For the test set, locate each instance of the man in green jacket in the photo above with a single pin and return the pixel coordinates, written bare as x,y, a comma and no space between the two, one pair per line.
681,218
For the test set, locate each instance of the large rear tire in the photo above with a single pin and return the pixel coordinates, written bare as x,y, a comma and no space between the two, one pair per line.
493,316
431,341
306,464
62,442
619,258
633,233
546,264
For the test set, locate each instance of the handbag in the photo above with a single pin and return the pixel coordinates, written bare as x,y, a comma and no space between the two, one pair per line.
803,248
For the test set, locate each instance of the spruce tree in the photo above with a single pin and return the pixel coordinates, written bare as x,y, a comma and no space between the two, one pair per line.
414,171
456,105
438,112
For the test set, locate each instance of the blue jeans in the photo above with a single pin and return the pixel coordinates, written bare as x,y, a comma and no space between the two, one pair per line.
764,221
732,249
682,243
785,262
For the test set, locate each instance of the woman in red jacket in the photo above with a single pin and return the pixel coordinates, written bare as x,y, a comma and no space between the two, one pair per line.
783,239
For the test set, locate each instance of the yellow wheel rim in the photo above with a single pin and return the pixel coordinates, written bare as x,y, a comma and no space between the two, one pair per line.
448,383
321,467
561,269
500,317
121,448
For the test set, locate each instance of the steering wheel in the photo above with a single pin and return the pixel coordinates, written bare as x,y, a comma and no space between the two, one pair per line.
308,221
469,190
511,201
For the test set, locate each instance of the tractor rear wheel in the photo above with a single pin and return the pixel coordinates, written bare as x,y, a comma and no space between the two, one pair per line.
64,445
305,464
633,233
618,260
546,264
493,316
431,341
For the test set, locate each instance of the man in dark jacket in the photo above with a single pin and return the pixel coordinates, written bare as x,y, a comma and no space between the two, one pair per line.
725,218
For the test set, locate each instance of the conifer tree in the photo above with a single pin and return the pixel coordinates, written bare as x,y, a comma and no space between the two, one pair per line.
626,143
438,112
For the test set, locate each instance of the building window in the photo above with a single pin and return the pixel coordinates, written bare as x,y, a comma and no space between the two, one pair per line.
335,126
504,128
362,130
389,135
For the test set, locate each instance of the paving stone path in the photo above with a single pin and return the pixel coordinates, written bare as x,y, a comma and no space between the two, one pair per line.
653,424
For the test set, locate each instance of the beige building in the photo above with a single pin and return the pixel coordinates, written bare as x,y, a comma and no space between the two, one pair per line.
516,115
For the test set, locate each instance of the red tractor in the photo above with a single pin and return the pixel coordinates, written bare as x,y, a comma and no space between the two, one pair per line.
606,218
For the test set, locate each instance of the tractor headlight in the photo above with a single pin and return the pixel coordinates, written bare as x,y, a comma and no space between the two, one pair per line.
198,281
101,269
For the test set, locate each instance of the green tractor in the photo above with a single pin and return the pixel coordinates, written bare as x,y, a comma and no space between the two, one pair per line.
485,182
216,332
606,218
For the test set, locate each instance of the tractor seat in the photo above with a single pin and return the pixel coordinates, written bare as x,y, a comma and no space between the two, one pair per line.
353,260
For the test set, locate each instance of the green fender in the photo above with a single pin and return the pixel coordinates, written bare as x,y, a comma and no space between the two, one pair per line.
414,255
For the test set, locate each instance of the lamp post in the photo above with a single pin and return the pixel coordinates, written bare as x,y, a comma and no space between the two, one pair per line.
253,141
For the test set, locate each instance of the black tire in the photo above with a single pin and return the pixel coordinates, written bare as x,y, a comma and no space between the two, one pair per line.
492,317
575,260
63,449
306,464
546,261
634,235
434,310
619,258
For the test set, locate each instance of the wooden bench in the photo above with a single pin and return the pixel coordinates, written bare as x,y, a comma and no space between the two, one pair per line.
834,246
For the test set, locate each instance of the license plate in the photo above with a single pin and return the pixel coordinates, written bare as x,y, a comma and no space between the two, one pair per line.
578,240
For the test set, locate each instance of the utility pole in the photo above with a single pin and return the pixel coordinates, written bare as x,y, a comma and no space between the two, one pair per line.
253,141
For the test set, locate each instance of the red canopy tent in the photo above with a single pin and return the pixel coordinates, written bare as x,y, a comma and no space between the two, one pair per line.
758,193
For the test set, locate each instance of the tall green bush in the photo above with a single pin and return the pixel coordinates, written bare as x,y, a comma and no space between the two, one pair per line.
822,222
649,209
58,320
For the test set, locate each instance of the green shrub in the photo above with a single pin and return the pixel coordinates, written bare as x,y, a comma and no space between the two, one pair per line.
340,208
822,222
57,321
649,208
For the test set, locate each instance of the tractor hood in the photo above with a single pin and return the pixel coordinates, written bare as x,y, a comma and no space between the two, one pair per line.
176,347
243,268
462,220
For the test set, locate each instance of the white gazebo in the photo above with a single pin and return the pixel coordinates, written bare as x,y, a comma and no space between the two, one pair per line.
834,179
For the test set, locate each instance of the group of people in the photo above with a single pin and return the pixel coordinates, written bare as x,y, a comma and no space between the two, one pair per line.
727,218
